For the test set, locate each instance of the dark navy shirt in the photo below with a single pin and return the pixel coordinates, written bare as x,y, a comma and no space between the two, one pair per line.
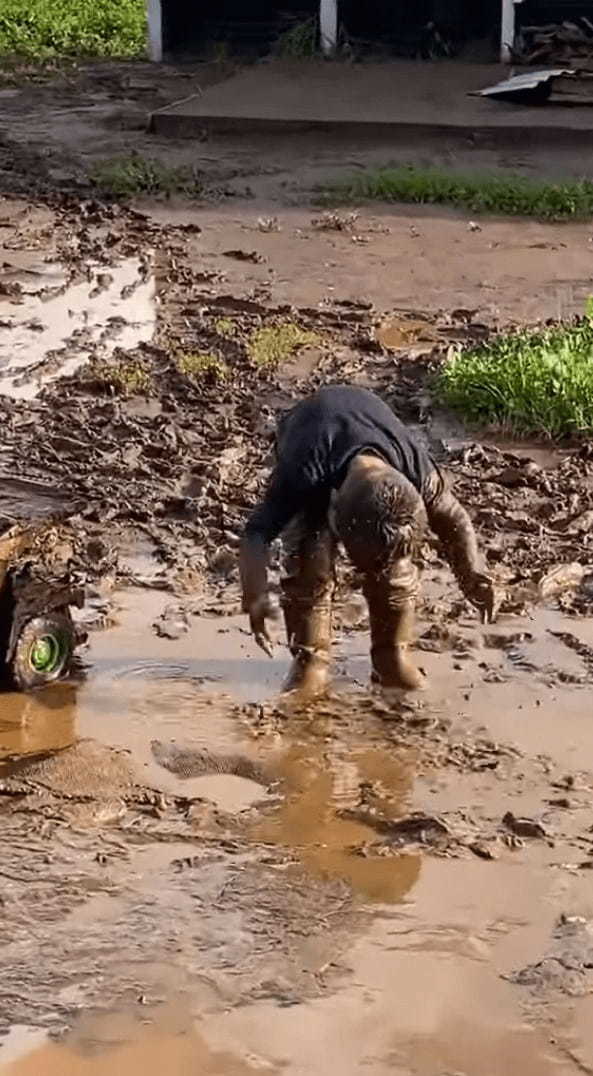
316,442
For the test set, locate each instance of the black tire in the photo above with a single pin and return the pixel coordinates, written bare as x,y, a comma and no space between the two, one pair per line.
43,651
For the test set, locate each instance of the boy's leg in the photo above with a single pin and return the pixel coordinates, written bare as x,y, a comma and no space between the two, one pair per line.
307,593
380,518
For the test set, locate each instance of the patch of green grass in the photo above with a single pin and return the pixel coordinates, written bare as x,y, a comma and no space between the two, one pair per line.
298,42
526,383
42,30
125,377
504,194
274,344
225,327
124,177
202,366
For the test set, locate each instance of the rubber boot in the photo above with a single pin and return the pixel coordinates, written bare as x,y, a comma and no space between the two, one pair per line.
391,612
307,594
308,628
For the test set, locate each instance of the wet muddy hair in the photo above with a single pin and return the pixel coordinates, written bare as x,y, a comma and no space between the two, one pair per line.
379,516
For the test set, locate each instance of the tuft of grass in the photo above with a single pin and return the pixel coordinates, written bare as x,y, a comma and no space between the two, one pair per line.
125,177
299,42
225,327
274,344
43,30
202,366
504,194
125,377
528,382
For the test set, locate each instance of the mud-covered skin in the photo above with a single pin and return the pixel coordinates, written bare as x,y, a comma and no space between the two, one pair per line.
451,523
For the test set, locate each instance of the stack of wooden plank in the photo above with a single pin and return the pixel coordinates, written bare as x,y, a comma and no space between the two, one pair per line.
569,42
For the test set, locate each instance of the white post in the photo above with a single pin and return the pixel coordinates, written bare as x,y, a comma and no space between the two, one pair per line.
154,18
328,26
507,31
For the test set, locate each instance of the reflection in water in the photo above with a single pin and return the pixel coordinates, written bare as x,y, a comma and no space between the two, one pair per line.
140,687
332,847
118,1045
42,721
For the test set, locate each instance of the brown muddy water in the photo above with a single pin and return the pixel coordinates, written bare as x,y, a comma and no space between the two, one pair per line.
418,987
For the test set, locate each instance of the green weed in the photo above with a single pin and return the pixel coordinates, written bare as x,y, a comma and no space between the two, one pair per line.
504,194
299,42
225,327
42,30
526,383
125,377
125,177
274,344
202,366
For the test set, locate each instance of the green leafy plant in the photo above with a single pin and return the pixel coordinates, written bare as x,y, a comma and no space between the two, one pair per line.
531,382
41,30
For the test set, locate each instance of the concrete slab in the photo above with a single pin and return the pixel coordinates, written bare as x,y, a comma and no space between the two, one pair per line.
403,97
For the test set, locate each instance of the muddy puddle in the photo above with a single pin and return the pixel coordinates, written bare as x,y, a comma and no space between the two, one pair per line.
412,977
123,1046
51,320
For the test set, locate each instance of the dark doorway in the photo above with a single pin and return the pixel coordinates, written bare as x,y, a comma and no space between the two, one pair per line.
426,29
237,26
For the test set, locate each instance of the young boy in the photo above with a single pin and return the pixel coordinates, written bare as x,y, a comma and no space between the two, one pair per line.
349,471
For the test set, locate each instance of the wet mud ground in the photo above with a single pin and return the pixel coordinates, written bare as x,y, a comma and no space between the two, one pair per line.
195,876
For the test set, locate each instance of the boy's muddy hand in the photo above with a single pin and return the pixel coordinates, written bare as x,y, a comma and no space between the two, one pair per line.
484,596
259,611
264,641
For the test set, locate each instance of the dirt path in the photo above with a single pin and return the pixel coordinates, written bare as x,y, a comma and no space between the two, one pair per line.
372,885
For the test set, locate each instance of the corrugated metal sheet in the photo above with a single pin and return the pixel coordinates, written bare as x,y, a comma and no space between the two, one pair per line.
534,87
529,81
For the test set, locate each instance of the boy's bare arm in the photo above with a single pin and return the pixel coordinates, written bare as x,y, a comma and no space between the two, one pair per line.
452,524
253,572
266,522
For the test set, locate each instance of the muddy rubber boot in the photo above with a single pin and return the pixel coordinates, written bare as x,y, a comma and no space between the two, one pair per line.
391,612
308,587
309,634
